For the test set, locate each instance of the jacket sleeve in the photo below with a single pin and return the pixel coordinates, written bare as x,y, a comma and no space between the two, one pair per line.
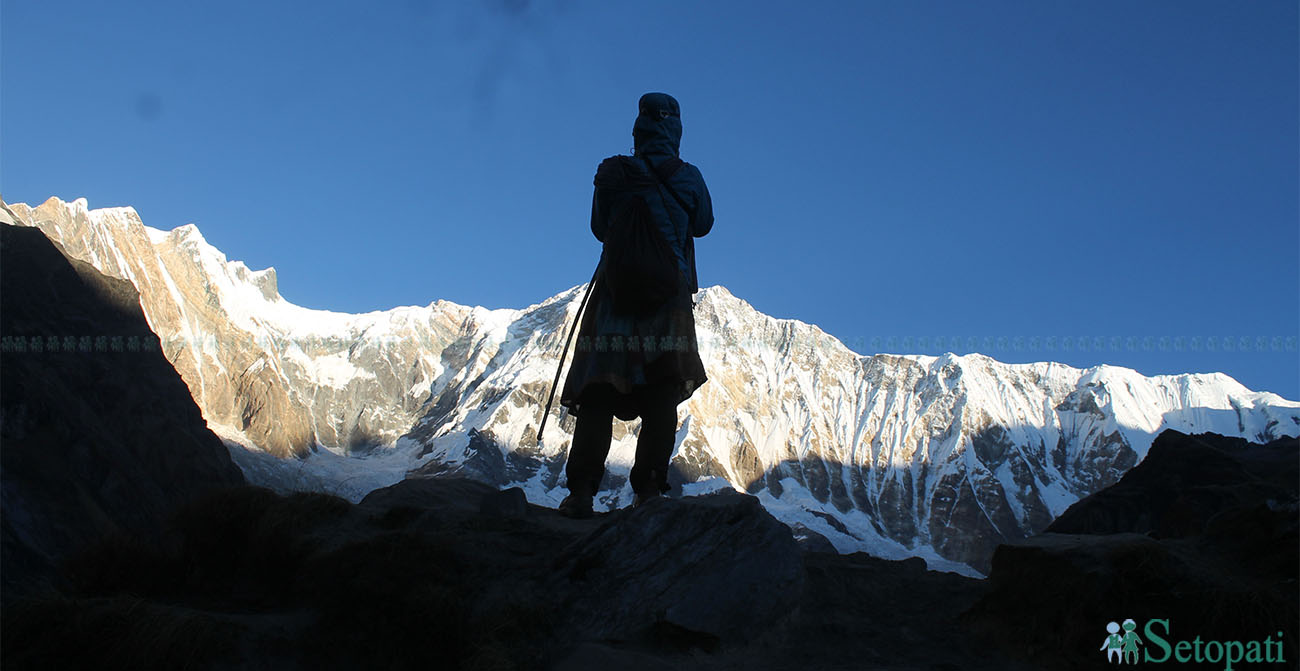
599,214
702,213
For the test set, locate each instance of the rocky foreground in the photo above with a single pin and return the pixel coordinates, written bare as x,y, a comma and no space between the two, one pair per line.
449,573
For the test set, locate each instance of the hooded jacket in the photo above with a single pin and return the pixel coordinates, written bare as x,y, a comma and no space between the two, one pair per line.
628,351
657,136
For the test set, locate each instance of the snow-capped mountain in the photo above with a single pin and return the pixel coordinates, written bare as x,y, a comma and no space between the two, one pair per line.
898,455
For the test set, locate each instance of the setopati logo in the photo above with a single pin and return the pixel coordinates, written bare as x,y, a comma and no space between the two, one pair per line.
1158,645
1120,645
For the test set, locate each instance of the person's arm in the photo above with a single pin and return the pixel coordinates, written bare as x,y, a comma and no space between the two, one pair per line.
599,215
691,184
702,221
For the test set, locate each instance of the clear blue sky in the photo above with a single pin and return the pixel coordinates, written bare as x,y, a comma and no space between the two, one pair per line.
966,170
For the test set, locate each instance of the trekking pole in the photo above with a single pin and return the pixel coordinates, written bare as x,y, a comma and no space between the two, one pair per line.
565,352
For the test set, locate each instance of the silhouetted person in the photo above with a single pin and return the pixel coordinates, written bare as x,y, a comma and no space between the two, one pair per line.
640,361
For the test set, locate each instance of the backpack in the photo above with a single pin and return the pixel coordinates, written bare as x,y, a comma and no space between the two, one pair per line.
640,267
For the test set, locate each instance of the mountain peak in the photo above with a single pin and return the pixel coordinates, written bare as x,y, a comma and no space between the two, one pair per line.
74,205
187,232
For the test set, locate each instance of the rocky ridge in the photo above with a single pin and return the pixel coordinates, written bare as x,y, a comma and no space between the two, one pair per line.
939,457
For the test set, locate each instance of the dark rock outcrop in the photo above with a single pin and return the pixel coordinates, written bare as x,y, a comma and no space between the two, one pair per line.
1184,482
718,569
415,577
446,494
810,540
1204,533
100,435
505,503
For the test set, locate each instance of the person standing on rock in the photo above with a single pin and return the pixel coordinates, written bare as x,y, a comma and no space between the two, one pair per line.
637,353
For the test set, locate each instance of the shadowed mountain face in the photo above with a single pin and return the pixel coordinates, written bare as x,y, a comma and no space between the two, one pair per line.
100,436
939,457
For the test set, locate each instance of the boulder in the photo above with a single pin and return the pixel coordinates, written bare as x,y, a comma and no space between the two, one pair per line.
505,503
810,540
704,572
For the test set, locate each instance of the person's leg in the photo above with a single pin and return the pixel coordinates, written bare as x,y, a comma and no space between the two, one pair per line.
590,445
655,440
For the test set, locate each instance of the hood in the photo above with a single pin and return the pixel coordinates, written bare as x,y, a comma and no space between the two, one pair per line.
658,127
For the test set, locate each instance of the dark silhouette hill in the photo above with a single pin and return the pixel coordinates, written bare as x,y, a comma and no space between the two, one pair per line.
98,435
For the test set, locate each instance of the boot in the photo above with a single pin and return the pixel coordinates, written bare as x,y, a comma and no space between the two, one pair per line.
576,506
643,498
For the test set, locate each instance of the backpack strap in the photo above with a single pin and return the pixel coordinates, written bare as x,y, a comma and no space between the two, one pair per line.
677,163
